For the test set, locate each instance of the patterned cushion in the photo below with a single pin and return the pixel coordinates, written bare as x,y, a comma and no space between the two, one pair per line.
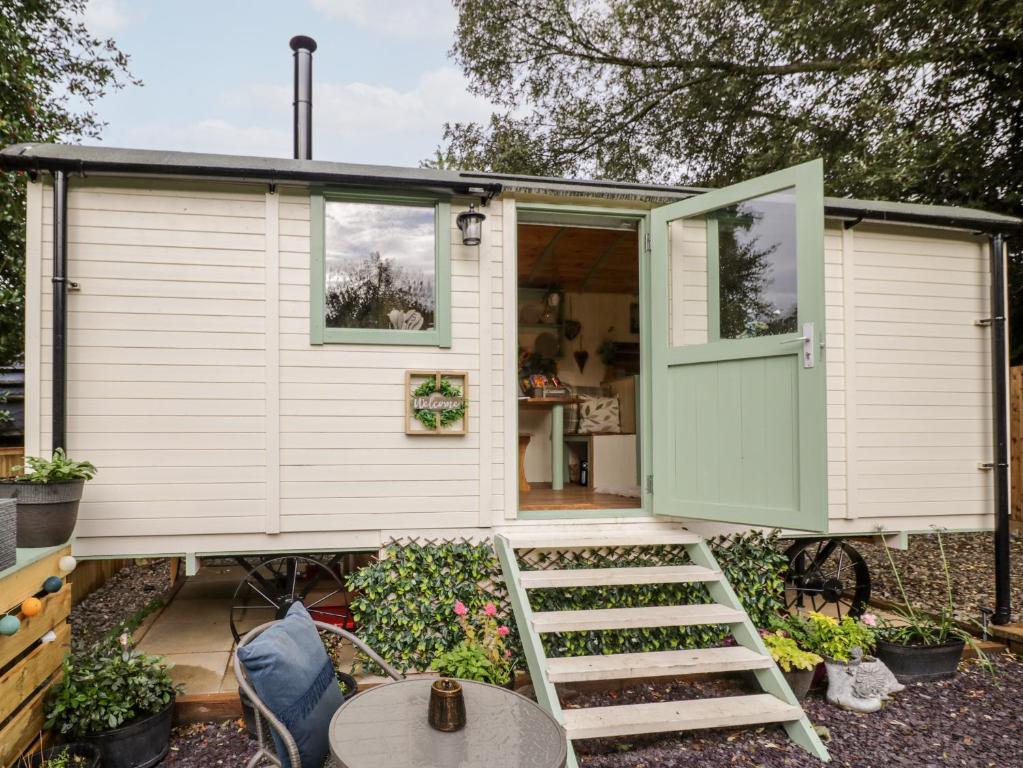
599,415
293,676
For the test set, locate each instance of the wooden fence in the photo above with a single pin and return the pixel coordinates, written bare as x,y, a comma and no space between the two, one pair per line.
1016,444
10,458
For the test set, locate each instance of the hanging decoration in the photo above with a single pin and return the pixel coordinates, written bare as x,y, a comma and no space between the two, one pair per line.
436,403
9,625
67,564
53,584
31,606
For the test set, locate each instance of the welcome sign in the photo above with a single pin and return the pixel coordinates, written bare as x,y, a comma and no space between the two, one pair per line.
436,403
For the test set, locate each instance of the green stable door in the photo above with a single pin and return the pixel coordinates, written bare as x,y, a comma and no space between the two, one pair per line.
738,384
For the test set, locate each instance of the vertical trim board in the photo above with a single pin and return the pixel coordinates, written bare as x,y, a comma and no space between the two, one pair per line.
272,363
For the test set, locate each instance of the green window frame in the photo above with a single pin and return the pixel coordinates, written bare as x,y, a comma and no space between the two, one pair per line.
319,333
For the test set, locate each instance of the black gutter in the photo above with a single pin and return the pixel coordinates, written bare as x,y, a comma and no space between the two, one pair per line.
1000,429
934,220
59,398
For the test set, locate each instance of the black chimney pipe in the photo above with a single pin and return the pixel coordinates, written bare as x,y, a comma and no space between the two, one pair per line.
303,47
59,396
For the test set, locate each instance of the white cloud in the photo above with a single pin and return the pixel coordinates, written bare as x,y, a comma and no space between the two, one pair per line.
104,17
395,18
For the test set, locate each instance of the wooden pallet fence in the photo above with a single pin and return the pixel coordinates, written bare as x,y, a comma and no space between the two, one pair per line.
1016,444
28,666
9,459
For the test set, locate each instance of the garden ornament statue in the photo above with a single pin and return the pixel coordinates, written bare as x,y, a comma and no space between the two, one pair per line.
409,320
862,685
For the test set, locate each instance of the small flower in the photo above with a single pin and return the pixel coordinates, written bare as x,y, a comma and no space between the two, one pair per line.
507,654
503,631
460,608
869,619
490,609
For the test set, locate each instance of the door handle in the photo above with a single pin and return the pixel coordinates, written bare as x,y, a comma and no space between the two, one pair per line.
809,359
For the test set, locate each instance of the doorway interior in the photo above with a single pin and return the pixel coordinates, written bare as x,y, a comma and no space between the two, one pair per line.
579,362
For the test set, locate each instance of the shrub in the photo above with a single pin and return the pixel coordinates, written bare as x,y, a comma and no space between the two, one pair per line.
58,469
403,605
787,654
830,637
481,655
111,685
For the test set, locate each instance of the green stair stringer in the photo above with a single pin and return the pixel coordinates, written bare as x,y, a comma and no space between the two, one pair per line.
532,646
770,678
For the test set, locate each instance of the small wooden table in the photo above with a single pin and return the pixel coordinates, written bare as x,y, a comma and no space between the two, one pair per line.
387,726
557,408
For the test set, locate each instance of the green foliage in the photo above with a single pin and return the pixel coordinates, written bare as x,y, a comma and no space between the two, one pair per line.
787,654
403,606
404,602
52,70
57,469
469,661
449,416
828,637
108,687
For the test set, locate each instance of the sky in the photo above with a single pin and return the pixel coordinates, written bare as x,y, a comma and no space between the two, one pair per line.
218,76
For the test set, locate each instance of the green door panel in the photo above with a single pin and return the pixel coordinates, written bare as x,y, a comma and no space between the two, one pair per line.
739,428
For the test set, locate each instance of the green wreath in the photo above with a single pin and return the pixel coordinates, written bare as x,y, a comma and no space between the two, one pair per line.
427,417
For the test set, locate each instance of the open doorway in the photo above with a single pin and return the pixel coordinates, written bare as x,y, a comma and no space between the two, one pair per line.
579,362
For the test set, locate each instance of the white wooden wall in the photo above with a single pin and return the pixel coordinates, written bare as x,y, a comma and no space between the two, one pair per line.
193,387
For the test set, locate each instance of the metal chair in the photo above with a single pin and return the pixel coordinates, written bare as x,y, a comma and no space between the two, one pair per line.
265,720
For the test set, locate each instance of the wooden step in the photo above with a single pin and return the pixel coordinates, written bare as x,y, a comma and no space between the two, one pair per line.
598,540
619,666
657,717
613,577
635,618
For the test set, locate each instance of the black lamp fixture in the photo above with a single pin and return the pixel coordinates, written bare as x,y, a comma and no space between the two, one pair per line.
470,222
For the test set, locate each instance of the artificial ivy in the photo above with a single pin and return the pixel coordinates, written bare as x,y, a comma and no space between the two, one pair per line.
427,417
405,603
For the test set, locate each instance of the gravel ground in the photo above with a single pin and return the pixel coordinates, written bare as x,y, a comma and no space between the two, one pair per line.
208,744
122,596
972,720
971,563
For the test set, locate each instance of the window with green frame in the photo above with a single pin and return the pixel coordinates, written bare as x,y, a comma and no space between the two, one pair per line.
381,269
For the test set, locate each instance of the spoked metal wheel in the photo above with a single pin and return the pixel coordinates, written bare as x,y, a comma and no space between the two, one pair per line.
827,575
272,586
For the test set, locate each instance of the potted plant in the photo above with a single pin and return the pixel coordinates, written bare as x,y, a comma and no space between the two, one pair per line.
117,699
919,647
48,495
73,755
798,666
481,654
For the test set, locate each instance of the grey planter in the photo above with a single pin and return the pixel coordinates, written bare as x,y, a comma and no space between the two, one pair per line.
8,533
47,512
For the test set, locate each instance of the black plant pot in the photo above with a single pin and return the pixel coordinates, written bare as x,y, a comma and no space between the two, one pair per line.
47,512
799,681
142,743
88,756
921,663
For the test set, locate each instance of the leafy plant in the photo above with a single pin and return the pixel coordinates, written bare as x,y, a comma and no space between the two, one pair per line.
481,655
830,637
107,687
58,469
787,654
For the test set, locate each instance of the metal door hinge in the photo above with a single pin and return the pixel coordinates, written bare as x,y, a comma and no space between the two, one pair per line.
649,483
646,242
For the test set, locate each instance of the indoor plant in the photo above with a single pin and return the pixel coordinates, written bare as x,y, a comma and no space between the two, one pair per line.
917,646
481,654
117,699
798,666
48,495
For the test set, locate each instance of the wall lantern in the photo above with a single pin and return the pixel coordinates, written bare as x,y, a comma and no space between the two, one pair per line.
471,224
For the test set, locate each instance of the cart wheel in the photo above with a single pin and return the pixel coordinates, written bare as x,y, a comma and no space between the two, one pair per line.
826,572
270,588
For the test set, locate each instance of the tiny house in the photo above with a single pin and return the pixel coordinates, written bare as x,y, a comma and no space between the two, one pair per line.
294,355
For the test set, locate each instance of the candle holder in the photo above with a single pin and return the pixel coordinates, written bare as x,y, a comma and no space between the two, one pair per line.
447,705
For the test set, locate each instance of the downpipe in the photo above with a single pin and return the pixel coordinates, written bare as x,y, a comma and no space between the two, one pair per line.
60,285
1000,427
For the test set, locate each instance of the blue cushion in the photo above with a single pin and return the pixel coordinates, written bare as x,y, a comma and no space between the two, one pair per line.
291,673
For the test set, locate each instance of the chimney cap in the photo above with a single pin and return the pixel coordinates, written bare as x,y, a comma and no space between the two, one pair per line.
302,42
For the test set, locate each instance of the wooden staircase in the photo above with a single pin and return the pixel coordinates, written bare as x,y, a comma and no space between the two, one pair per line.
775,705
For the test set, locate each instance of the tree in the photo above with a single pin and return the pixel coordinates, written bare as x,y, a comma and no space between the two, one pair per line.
917,101
52,72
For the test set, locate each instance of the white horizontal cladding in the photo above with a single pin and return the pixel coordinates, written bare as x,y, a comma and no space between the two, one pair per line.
917,379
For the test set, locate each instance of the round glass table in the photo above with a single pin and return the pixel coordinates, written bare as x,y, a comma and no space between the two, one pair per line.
387,726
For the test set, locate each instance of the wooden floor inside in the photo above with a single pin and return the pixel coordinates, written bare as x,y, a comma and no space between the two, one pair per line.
573,497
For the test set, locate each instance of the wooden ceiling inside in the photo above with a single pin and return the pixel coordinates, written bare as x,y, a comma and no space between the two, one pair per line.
579,259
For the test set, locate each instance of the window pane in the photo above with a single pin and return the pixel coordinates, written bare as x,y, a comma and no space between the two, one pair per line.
380,266
757,263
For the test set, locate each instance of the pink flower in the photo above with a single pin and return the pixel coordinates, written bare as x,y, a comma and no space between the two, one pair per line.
503,631
490,609
869,619
460,608
507,654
